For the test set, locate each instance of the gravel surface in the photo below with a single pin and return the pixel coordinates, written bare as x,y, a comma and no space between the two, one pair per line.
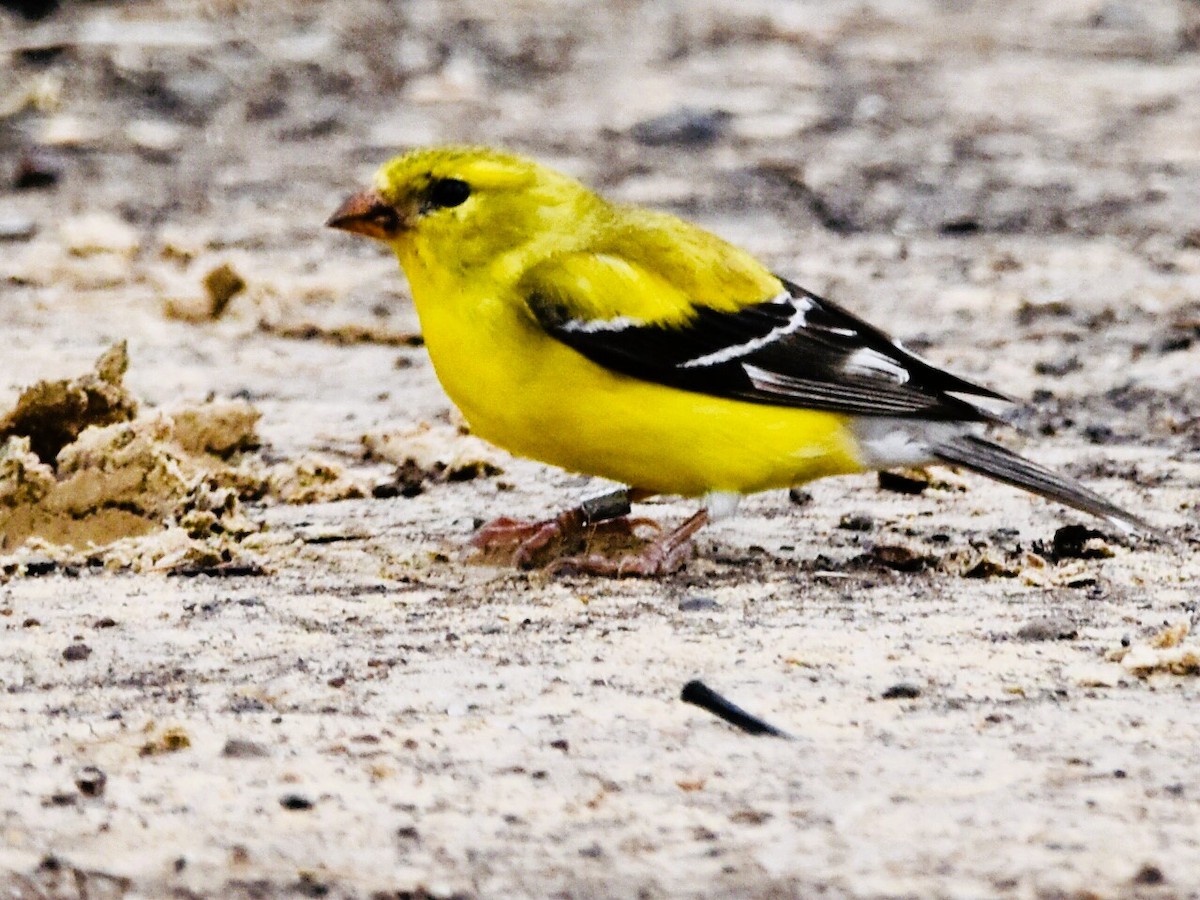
286,677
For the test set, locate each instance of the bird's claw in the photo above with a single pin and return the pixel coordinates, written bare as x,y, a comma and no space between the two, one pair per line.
521,540
528,544
664,555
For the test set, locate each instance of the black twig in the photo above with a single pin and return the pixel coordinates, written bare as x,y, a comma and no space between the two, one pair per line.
699,694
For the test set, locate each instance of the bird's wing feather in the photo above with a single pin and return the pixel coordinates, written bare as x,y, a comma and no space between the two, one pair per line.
794,349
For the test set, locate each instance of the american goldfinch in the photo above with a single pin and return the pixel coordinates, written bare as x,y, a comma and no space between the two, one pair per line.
628,344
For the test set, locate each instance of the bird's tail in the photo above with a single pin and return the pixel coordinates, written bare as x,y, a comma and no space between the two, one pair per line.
994,461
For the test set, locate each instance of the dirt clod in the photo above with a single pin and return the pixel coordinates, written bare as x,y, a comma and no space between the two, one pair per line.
222,284
52,414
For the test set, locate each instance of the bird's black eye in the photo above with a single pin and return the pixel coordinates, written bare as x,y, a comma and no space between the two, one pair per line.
447,192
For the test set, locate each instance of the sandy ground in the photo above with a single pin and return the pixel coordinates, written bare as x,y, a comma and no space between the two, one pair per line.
260,690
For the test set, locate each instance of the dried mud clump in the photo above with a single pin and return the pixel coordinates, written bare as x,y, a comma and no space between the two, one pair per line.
52,414
79,469
314,479
1167,652
429,455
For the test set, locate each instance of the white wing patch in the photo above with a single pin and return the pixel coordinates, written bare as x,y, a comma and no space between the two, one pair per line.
801,305
867,361
591,326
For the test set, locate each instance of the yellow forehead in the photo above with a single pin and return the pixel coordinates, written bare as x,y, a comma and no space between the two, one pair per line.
480,167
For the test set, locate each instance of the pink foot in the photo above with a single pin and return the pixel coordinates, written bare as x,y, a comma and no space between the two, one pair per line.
527,544
662,556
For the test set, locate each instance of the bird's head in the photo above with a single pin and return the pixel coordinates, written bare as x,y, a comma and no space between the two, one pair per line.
464,207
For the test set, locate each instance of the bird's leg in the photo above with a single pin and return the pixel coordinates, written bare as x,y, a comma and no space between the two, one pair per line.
661,556
523,540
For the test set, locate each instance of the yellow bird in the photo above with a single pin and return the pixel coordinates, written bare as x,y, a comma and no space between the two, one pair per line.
628,344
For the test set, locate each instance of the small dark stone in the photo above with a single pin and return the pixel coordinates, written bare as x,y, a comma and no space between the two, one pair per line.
1079,542
593,851
308,886
77,652
469,471
901,691
902,559
957,227
296,802
37,168
106,622
1100,434
683,127
35,568
902,482
91,781
229,569
698,604
856,522
408,833
799,497
30,9
1048,628
1149,874
1058,367
561,744
750,817
239,748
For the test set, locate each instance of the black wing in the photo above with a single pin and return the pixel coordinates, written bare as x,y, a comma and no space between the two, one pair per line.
793,350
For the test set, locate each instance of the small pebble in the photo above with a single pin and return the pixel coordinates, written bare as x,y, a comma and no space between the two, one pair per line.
1048,628
40,566
295,802
683,127
238,748
31,9
698,604
1149,874
91,781
1080,542
156,139
77,652
17,228
901,691
37,168
902,559
902,482
799,497
856,522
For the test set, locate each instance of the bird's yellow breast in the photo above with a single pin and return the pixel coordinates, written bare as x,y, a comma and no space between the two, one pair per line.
532,395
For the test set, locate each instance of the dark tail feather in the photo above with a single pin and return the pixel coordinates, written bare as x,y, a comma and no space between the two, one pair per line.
994,461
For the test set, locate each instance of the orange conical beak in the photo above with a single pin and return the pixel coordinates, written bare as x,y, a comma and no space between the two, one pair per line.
367,213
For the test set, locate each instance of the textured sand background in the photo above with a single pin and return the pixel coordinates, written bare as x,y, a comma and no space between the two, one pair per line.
283,679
